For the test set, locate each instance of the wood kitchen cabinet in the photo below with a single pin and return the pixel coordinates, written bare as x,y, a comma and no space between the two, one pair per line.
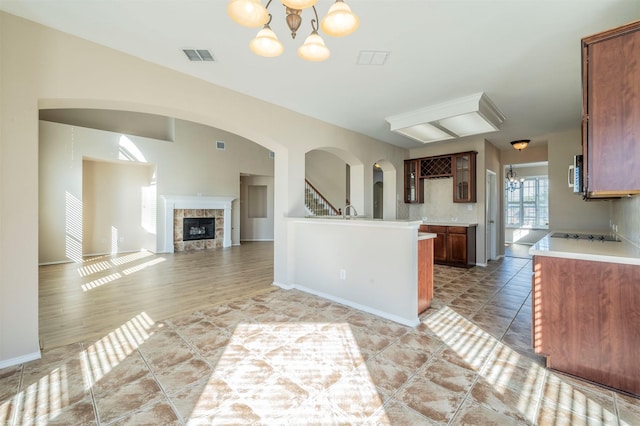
425,274
585,318
461,166
454,245
413,185
611,112
464,175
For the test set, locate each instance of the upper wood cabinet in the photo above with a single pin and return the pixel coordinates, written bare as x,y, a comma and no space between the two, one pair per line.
464,177
461,166
611,112
413,185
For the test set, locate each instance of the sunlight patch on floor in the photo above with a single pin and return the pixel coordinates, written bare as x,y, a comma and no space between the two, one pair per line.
298,372
105,354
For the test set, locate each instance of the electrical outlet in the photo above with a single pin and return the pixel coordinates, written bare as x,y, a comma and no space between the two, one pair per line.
343,274
470,207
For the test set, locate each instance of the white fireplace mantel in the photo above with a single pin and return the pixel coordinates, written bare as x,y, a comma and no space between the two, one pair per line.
172,202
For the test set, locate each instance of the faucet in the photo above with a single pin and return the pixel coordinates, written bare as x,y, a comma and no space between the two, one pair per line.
344,211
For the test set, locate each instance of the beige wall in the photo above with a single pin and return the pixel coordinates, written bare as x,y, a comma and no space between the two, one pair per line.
116,215
62,71
626,217
567,211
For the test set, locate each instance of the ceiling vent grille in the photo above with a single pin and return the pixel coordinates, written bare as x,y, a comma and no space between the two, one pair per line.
372,57
199,55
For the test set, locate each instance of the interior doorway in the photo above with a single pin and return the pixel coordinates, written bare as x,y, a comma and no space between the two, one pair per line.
526,206
378,192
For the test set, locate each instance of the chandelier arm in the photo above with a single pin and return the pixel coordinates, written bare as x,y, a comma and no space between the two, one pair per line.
314,22
270,15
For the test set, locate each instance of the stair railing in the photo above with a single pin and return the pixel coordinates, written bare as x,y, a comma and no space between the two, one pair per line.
316,202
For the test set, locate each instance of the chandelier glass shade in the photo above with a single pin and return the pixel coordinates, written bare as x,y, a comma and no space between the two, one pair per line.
314,48
339,21
248,13
266,43
299,4
513,183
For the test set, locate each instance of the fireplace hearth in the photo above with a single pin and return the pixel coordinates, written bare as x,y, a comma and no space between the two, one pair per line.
198,228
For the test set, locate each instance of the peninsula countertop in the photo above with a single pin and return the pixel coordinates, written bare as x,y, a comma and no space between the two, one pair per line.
443,223
599,251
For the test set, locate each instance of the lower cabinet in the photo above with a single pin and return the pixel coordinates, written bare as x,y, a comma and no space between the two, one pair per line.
585,319
454,246
425,274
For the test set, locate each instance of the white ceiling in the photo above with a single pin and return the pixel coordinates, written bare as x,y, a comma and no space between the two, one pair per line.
525,54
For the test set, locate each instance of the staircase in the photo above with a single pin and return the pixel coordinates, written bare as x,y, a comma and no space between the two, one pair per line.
316,204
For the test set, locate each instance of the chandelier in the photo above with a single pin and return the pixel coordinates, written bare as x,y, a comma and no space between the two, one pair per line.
338,22
513,183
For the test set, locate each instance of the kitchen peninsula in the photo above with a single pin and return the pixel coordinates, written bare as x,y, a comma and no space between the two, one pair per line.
371,265
586,309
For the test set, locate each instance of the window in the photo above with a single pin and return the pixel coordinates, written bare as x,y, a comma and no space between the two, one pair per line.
528,207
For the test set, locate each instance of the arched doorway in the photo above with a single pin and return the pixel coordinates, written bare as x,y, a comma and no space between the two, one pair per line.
378,192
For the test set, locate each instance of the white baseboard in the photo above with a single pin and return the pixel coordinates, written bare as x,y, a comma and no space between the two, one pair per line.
20,360
257,239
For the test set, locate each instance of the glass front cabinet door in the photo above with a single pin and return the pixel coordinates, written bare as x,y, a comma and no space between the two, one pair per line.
464,177
413,185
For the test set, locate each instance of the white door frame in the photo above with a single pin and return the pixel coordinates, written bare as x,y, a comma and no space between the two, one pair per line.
491,205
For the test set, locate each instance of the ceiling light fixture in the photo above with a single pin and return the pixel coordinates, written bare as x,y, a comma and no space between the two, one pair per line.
339,21
521,144
466,116
513,183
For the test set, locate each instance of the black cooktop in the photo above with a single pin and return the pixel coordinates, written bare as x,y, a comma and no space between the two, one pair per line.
590,237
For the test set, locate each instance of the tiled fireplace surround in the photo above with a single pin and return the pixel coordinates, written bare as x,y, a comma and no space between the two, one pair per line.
176,208
178,238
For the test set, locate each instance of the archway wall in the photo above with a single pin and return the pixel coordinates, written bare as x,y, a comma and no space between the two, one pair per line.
62,71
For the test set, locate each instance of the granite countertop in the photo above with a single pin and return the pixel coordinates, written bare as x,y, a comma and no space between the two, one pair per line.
599,251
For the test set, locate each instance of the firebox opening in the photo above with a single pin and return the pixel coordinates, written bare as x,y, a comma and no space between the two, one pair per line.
202,228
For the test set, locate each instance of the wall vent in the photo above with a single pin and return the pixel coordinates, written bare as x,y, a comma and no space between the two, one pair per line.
199,55
220,145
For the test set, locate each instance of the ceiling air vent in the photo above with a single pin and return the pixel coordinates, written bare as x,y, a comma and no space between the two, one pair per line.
199,55
372,57
220,145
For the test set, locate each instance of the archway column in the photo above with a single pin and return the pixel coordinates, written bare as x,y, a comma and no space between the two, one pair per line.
288,202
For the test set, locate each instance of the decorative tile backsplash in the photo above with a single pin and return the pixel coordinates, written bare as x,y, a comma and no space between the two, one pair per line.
439,206
626,215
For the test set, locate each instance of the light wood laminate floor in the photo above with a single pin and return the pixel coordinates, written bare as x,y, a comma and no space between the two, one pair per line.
84,301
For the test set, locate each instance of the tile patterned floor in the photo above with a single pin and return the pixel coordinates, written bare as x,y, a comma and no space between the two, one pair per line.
287,357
